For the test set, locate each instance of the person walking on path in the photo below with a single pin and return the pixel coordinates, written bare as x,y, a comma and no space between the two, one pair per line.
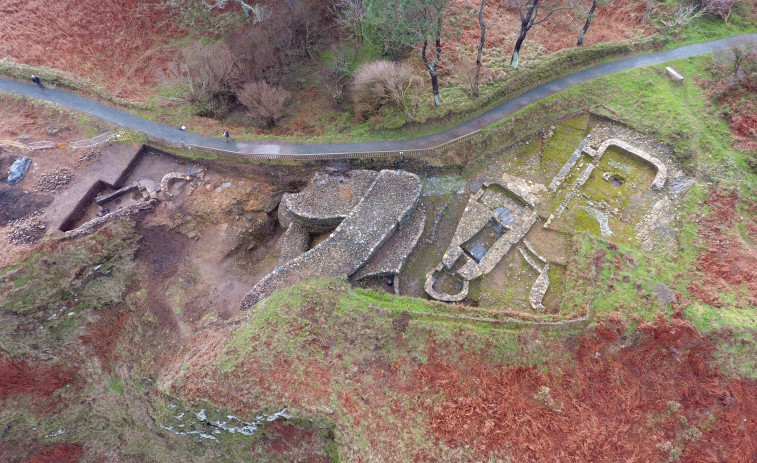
228,137
36,80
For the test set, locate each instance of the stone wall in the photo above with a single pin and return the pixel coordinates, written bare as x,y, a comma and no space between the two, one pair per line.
388,202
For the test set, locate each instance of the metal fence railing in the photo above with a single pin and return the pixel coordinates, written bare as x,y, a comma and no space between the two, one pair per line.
334,156
40,145
107,136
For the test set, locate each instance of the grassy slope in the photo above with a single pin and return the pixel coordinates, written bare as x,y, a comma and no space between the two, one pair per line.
269,357
325,320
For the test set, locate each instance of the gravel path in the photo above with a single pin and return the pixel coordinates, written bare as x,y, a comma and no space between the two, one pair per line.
175,136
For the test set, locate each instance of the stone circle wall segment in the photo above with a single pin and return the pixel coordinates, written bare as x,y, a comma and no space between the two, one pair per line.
327,200
662,171
392,256
387,203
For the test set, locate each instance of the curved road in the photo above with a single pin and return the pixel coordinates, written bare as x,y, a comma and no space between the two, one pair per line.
175,136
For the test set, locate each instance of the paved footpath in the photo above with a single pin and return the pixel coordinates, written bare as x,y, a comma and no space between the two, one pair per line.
176,136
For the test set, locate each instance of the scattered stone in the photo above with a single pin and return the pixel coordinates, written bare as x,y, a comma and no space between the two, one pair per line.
55,129
88,156
53,180
28,230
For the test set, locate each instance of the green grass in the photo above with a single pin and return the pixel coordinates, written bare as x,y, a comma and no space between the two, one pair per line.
53,285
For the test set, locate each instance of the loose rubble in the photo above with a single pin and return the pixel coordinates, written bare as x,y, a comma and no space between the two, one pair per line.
58,178
28,230
88,156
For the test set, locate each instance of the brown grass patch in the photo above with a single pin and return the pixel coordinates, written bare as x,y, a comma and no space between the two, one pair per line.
56,453
643,400
40,380
728,263
113,42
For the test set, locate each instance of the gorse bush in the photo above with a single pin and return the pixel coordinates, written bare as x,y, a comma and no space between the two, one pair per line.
383,82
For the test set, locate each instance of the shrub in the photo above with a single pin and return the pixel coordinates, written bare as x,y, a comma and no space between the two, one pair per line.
721,8
264,101
381,82
465,71
211,74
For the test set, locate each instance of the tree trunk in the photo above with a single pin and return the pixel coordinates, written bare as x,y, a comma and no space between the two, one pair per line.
481,23
432,66
518,44
435,89
650,7
589,17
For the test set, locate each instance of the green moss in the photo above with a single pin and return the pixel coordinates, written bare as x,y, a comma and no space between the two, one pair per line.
564,141
707,318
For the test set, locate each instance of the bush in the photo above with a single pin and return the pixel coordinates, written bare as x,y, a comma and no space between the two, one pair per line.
381,82
264,101
721,8
465,71
211,74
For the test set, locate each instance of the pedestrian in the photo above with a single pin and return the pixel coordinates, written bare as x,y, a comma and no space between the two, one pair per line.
183,128
228,137
36,80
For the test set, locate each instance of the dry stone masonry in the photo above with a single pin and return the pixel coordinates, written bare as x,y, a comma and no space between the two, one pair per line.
385,206
496,218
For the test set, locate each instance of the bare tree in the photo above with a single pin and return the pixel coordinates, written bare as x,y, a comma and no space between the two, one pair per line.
211,77
264,101
380,82
648,11
339,76
256,13
528,11
683,14
589,18
483,26
720,8
432,65
349,15
424,19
